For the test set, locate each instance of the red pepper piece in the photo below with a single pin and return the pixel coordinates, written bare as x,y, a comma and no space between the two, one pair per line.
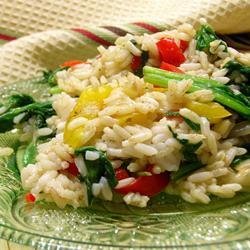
170,52
170,67
146,185
135,63
121,173
72,169
183,45
71,63
30,198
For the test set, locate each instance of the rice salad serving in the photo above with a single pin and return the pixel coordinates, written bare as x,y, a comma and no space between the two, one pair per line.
165,112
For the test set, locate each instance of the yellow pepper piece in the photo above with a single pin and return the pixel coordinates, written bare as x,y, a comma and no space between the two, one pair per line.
213,111
88,105
75,138
91,101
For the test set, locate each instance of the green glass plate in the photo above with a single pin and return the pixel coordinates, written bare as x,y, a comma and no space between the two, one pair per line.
168,221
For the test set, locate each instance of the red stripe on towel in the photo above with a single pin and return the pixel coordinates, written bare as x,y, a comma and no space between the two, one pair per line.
93,36
116,30
6,37
147,26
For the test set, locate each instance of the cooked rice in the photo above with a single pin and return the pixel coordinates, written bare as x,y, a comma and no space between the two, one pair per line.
45,181
147,140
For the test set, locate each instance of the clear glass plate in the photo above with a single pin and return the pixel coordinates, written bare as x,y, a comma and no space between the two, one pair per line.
168,221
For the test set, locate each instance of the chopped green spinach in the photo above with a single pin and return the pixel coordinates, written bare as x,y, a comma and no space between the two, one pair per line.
190,161
18,100
30,152
186,169
40,110
204,36
234,70
233,66
26,153
96,169
194,126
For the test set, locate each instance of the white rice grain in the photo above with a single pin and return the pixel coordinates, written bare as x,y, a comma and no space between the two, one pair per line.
220,172
203,60
106,190
96,189
92,155
123,133
187,113
221,79
77,122
124,182
200,196
17,119
44,131
80,164
200,177
220,73
190,66
145,149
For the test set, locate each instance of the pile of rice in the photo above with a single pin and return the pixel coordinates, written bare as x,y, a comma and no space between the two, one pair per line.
148,140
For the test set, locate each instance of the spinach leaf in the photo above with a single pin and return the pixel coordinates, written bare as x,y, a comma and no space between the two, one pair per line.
42,110
194,126
18,100
190,161
19,157
96,169
234,69
29,156
12,165
186,169
245,89
204,36
189,150
26,153
236,66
